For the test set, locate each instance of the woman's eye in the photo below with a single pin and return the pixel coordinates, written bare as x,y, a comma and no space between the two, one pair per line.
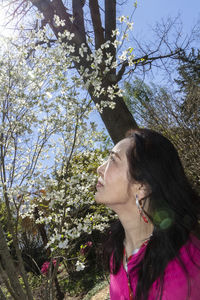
111,157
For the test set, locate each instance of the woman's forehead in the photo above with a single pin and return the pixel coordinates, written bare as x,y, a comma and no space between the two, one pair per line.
122,146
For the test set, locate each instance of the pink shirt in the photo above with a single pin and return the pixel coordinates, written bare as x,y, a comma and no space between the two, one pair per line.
175,281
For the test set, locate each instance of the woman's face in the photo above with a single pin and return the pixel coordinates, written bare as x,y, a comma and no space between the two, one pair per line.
113,183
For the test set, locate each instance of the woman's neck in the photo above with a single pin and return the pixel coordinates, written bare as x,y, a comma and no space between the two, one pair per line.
136,230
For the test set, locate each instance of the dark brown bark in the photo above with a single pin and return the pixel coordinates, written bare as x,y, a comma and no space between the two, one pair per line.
78,17
59,293
110,26
110,19
96,22
49,9
118,120
4,277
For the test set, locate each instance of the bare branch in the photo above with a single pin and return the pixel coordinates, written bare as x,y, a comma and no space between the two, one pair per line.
96,22
110,25
147,60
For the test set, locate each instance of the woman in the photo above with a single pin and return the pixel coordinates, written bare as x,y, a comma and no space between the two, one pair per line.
153,251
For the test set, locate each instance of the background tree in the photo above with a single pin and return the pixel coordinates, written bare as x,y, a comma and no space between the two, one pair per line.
176,114
103,60
189,87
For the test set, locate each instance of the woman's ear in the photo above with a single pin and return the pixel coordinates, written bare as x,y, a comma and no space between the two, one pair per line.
142,190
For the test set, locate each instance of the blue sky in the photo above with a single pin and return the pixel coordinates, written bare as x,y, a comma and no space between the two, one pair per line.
150,11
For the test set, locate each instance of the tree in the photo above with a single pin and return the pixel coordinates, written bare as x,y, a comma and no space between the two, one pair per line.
75,223
101,59
175,114
189,86
40,132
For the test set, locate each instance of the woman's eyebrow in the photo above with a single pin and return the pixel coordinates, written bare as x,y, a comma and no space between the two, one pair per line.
115,153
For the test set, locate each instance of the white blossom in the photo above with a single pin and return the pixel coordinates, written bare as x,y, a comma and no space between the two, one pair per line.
122,19
79,266
58,21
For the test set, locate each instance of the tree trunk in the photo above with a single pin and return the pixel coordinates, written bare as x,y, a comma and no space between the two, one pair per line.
59,293
2,296
10,268
118,120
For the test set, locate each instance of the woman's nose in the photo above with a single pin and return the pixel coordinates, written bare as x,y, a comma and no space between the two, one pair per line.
100,169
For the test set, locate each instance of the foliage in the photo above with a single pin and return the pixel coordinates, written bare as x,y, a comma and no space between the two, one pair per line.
43,127
74,223
176,115
33,251
189,86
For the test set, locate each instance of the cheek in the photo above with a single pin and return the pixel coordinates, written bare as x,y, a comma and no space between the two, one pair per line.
116,183
109,174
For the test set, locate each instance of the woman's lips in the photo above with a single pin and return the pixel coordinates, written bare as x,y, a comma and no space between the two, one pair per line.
99,185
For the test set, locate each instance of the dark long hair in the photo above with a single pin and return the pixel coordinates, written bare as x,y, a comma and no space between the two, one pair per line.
174,209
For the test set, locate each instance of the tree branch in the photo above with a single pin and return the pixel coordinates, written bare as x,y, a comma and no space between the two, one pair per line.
77,7
96,22
56,7
146,60
110,19
110,26
6,282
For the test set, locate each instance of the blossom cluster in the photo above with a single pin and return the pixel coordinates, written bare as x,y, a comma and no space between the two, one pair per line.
46,265
45,125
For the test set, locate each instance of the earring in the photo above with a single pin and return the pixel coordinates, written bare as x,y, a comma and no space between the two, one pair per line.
140,210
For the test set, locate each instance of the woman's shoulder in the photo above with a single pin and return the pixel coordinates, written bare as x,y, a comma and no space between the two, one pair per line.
190,252
188,258
182,274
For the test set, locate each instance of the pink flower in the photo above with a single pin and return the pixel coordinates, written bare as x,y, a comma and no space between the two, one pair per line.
45,267
89,244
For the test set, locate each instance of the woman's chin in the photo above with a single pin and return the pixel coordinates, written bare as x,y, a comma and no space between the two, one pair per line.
97,197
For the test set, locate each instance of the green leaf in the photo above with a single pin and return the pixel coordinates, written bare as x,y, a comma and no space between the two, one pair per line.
135,4
130,50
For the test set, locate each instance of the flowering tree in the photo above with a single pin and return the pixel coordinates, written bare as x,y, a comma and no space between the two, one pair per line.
42,126
101,57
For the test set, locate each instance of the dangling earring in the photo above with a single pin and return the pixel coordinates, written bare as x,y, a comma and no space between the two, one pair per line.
140,210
